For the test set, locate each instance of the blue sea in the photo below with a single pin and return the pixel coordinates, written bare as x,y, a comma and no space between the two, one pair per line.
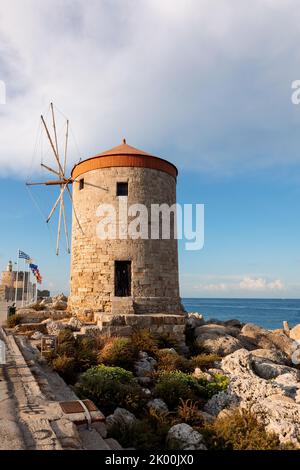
268,313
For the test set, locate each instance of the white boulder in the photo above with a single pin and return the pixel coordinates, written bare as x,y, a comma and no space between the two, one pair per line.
184,437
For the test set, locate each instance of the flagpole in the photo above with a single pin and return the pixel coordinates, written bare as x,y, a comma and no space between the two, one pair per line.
23,290
17,280
28,285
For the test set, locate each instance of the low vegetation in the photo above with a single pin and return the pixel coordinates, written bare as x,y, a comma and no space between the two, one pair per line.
205,360
111,387
167,340
120,352
176,385
103,371
188,412
240,430
13,320
72,356
144,340
144,434
169,361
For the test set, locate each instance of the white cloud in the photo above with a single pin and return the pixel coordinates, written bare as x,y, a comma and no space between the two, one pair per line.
206,81
260,283
238,285
212,287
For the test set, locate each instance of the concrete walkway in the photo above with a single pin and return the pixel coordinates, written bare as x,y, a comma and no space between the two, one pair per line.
22,416
3,312
11,437
30,415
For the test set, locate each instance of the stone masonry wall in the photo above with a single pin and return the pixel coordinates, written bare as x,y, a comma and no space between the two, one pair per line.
155,285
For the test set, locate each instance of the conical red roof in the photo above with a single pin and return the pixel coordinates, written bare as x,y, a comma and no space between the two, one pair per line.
124,149
123,155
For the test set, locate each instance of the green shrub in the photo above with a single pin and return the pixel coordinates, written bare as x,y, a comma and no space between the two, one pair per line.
240,430
208,389
175,385
80,352
65,336
13,320
144,340
148,433
110,387
205,360
65,367
85,354
120,352
142,435
66,343
169,361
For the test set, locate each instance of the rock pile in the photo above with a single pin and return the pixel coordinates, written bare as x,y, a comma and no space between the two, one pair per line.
270,389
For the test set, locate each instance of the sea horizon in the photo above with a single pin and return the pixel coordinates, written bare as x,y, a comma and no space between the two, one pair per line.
266,312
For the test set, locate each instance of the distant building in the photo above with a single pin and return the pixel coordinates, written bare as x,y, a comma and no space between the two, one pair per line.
43,293
9,284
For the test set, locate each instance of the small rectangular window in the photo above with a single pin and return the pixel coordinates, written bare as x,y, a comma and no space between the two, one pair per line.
81,184
122,189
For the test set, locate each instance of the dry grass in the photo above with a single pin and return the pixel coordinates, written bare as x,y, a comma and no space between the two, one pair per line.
241,430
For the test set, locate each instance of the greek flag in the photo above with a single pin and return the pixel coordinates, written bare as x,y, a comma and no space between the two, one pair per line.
23,255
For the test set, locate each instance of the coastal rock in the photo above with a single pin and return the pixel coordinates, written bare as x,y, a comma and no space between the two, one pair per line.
59,305
295,333
194,319
218,344
268,399
267,369
218,339
234,322
145,365
169,350
217,330
199,374
273,355
46,301
54,327
75,324
265,339
60,297
158,405
290,384
121,417
37,335
184,437
147,392
144,381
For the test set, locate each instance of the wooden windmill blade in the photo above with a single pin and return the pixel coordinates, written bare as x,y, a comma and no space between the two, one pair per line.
62,180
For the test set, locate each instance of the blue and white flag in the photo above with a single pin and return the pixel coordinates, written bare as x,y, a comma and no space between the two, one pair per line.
23,255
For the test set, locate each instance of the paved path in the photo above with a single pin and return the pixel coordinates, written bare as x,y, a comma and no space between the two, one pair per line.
11,437
23,418
30,416
3,312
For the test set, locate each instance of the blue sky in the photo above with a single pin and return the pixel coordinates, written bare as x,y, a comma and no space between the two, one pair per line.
210,91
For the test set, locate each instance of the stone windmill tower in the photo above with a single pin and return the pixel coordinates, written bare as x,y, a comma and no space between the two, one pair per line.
122,281
124,276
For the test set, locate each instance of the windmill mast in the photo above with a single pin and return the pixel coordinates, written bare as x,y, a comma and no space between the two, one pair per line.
63,181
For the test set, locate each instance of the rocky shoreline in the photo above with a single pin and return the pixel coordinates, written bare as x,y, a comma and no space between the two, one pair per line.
263,372
237,366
